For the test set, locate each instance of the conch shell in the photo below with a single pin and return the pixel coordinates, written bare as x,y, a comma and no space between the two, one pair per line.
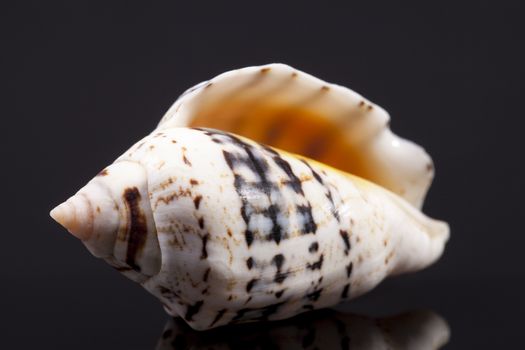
224,229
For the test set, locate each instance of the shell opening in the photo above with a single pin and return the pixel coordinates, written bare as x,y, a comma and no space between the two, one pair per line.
293,111
292,129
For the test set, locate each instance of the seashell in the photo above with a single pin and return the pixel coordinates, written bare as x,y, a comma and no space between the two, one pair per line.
223,229
325,329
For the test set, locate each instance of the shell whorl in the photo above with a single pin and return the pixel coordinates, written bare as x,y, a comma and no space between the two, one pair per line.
113,218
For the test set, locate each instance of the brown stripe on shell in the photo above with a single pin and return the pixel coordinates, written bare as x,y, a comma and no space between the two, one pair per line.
192,310
251,284
278,261
206,274
346,240
204,252
220,313
197,201
349,269
184,158
250,262
256,158
137,228
328,192
344,294
316,265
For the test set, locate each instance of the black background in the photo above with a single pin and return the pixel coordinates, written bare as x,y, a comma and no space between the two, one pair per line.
82,81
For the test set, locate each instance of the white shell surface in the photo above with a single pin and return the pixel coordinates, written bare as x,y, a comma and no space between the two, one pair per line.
247,232
393,162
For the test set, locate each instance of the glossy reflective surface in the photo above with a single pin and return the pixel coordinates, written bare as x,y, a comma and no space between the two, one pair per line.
107,312
325,329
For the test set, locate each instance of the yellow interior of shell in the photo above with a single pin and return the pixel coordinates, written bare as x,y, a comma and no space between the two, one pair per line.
293,129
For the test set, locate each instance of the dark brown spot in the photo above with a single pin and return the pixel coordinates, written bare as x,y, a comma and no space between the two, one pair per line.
204,252
280,277
218,317
173,141
361,104
313,247
387,259
193,310
249,263
349,269
430,167
316,265
104,172
325,88
184,159
201,223
346,240
197,201
248,235
98,209
229,232
137,230
194,182
250,284
309,225
279,294
369,107
344,294
278,260
206,274
293,180
294,74
265,70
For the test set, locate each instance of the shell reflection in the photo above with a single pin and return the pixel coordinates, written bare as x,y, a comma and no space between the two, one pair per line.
324,329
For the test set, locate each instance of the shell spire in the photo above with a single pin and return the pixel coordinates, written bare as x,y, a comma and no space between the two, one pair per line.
76,215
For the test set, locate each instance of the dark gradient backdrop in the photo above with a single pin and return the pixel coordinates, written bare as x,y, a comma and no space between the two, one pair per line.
83,80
